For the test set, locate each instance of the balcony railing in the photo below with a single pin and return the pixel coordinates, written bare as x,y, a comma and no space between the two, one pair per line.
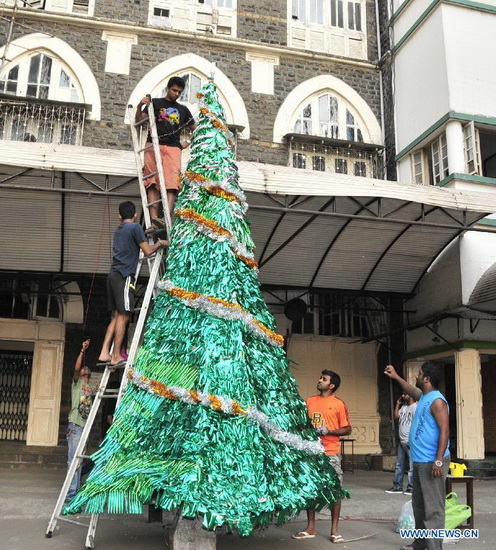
28,119
335,156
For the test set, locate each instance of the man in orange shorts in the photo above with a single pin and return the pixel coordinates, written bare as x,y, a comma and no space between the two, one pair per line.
171,117
330,418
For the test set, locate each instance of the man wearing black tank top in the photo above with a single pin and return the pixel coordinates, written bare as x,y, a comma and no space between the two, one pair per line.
171,118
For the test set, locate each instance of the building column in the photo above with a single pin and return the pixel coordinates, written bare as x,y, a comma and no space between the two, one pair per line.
456,147
470,425
411,369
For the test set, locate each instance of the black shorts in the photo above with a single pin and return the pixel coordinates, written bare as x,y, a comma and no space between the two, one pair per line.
120,292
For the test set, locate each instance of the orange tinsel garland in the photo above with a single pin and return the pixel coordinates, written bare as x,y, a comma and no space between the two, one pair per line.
161,389
189,295
214,189
189,214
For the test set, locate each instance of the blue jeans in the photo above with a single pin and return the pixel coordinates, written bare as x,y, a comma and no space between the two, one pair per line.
73,436
402,462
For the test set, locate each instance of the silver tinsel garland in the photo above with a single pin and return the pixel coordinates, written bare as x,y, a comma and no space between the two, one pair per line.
238,248
205,304
228,407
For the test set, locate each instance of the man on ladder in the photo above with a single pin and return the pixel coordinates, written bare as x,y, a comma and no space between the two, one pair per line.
129,238
171,117
82,393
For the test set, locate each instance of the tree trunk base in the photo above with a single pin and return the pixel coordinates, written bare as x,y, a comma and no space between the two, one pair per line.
187,534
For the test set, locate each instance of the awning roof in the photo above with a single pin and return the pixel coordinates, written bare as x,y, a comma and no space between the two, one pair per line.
312,229
483,296
355,241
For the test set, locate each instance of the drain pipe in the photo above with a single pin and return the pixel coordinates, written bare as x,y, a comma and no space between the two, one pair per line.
394,443
381,86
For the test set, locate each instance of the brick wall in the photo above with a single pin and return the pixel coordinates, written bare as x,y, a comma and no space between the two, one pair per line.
257,24
264,22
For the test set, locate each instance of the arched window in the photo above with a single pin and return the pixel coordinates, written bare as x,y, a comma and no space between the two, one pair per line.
41,76
193,83
48,85
328,116
329,135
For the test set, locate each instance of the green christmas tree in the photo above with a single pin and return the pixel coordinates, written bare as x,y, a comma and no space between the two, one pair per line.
211,421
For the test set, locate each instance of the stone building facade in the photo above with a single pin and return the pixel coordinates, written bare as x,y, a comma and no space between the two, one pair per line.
301,83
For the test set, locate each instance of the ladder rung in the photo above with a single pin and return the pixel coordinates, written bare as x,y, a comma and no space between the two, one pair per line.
140,122
145,258
83,456
73,521
154,202
149,146
150,175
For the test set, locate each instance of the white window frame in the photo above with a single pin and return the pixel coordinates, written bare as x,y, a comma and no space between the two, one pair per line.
420,168
54,127
332,162
471,143
299,160
329,26
78,7
439,158
191,102
326,127
55,91
217,17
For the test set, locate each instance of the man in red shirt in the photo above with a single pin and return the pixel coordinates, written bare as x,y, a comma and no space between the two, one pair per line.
330,418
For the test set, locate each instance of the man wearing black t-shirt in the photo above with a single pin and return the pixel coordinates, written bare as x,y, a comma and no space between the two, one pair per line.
129,238
171,117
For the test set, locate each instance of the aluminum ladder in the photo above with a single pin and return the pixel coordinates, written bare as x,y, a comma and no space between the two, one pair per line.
156,267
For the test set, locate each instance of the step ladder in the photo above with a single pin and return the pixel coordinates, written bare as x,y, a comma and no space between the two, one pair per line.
155,267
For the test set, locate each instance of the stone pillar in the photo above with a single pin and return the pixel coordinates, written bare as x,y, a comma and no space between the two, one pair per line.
410,370
456,147
187,534
470,425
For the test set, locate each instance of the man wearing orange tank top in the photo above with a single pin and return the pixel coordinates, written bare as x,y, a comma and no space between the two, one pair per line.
330,418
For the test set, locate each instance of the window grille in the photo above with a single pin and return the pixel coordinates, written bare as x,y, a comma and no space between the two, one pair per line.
15,386
43,122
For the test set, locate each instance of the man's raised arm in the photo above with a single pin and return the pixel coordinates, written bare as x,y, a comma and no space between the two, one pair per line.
405,386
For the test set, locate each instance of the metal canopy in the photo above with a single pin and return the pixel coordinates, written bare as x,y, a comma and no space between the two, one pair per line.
355,243
343,233
483,297
352,233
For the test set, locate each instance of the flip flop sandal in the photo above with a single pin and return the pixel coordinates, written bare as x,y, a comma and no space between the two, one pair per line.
302,535
337,539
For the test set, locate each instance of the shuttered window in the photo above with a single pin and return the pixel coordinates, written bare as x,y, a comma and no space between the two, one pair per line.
330,26
203,16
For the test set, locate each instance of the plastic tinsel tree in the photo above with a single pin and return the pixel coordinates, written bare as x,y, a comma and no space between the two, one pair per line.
211,421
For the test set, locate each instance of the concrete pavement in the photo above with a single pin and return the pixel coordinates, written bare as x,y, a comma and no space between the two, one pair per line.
27,499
